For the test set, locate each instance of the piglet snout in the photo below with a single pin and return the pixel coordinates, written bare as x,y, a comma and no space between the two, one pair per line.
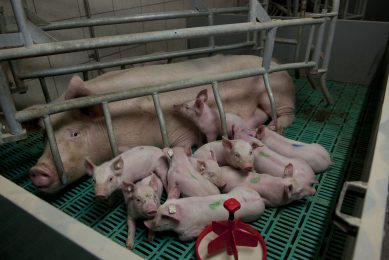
248,168
101,194
150,210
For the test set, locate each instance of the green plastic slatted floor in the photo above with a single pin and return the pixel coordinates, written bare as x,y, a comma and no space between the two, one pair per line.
294,231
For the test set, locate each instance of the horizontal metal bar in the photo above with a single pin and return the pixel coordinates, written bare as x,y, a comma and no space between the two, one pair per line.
61,106
137,18
331,14
286,41
127,39
127,61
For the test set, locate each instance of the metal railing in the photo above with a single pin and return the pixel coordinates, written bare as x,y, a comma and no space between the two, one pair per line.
267,29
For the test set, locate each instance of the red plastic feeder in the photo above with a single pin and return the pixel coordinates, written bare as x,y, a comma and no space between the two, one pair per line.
229,234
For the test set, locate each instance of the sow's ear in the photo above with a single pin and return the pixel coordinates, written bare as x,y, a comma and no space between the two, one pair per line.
77,89
89,166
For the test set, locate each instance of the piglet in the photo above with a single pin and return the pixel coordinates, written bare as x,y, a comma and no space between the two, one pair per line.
275,191
210,169
130,166
143,200
207,119
268,161
188,216
235,153
314,154
182,178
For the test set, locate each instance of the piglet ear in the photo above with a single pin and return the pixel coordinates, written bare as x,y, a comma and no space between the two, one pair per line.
203,95
148,223
89,166
288,191
227,143
128,189
213,156
172,212
255,145
174,193
188,150
260,132
117,166
199,107
154,182
288,171
311,191
201,166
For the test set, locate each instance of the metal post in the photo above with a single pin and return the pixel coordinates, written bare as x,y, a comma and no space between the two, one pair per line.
161,119
8,106
19,84
111,134
219,103
211,38
54,150
268,53
318,44
45,90
21,20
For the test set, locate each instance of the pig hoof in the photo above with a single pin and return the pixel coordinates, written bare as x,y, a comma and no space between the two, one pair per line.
130,245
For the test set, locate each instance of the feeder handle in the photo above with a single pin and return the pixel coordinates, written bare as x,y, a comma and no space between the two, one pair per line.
231,205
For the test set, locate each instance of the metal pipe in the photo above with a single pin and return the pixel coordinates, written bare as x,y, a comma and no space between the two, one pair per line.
132,60
318,44
309,43
21,21
161,120
96,54
14,66
98,21
41,110
45,90
54,150
126,39
111,134
8,106
219,103
330,39
271,98
210,23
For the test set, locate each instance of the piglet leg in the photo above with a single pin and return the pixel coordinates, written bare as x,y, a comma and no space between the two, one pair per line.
131,233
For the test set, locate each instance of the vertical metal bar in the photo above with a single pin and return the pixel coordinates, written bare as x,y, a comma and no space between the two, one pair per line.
330,39
85,75
210,23
219,103
345,6
45,90
54,150
13,64
111,134
363,11
161,119
8,106
91,29
295,7
21,20
309,43
318,45
268,53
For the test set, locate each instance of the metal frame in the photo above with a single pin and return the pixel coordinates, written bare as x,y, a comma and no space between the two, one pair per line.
267,39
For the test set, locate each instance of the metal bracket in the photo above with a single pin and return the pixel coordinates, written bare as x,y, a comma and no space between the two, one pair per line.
357,186
6,137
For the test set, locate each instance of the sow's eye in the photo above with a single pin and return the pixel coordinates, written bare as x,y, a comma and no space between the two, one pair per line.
73,134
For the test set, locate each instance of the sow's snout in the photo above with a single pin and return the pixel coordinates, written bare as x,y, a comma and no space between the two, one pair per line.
44,178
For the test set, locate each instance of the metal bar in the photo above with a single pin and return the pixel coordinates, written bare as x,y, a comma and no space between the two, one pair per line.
54,150
330,39
161,119
210,23
85,75
127,61
41,110
318,44
19,84
266,62
8,106
127,39
137,18
309,43
111,134
91,29
21,21
45,90
286,41
219,103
